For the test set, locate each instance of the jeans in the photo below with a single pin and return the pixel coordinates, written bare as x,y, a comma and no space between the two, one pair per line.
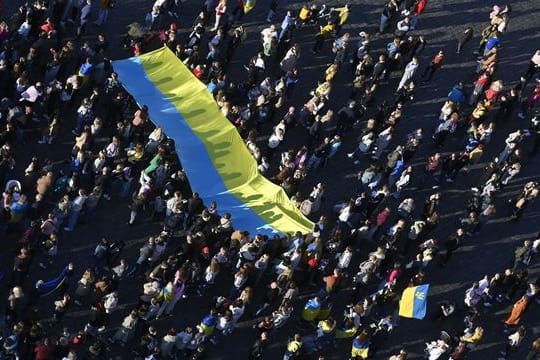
313,162
384,23
72,221
125,189
102,16
89,212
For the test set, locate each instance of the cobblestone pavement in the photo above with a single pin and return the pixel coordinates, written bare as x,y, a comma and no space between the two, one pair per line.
487,253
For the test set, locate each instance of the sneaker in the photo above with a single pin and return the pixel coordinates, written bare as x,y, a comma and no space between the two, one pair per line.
357,162
521,115
41,142
350,155
486,304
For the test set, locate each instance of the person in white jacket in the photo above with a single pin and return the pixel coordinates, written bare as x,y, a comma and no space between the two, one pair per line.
344,259
110,301
409,72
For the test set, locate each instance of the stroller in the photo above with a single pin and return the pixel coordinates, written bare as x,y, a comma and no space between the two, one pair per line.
436,349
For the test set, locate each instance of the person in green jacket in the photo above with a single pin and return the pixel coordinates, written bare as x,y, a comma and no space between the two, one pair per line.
155,162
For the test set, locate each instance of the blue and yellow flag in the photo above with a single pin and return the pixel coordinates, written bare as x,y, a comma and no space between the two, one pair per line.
218,163
413,302
360,350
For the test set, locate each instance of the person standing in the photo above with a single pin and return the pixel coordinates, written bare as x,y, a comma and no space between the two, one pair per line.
104,8
463,38
342,16
452,244
409,72
126,330
84,18
75,210
533,67
435,64
390,9
535,350
221,9
319,154
257,349
324,33
288,23
272,10
517,311
522,255
514,340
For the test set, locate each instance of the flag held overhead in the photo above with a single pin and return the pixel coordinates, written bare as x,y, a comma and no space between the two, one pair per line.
414,302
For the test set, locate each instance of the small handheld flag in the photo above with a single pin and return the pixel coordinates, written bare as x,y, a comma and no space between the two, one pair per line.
249,5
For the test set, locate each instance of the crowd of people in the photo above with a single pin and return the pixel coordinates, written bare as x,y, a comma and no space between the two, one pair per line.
57,84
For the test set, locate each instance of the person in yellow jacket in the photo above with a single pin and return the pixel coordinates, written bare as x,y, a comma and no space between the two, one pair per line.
305,14
342,16
294,348
325,332
473,338
480,111
324,32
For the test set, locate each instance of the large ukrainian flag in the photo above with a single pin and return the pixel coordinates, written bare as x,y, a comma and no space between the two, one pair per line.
213,154
414,302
